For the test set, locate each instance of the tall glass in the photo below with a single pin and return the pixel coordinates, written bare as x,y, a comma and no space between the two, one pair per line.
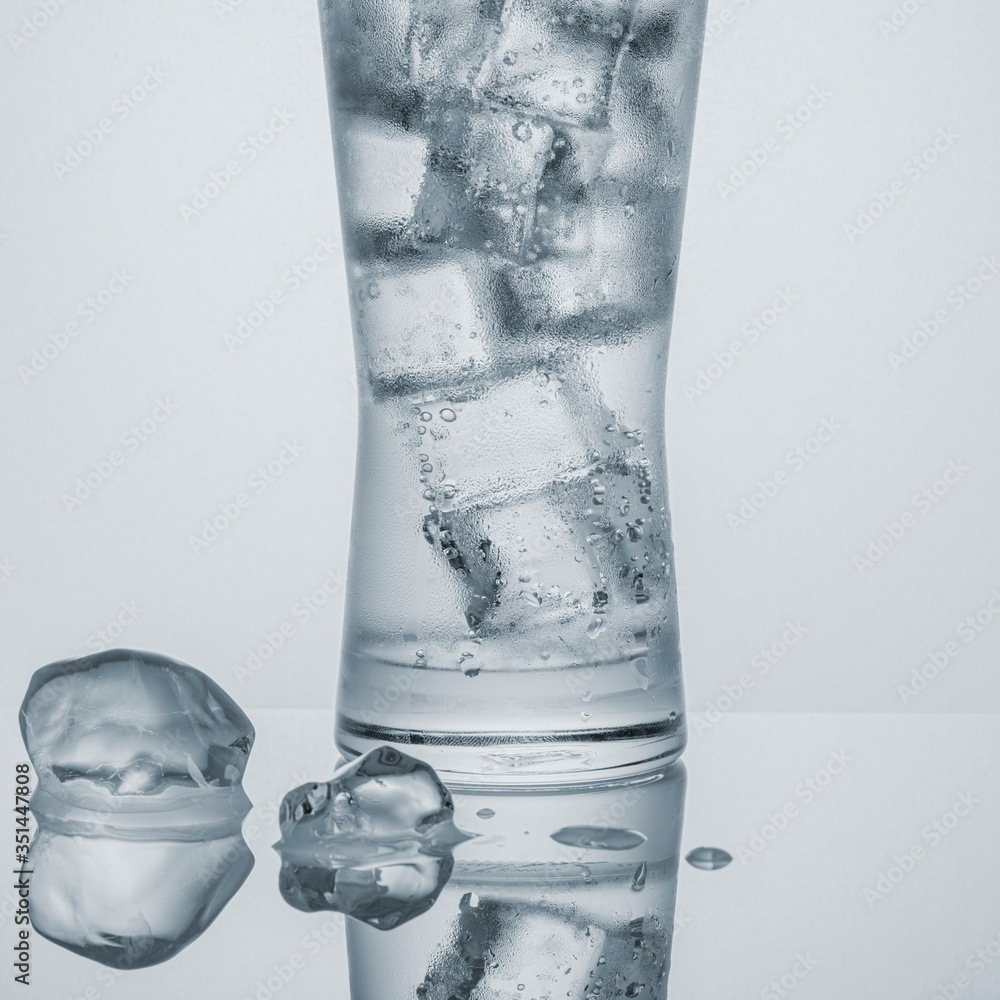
512,177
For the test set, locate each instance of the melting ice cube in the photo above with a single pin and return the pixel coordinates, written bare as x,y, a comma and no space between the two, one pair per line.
139,803
374,842
557,57
499,948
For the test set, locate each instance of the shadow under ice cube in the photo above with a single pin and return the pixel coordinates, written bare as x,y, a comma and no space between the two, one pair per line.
374,842
139,804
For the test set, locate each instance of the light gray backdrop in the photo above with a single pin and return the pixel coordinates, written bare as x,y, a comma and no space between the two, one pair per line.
167,170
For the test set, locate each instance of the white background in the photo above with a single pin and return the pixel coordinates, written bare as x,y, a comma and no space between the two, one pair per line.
228,71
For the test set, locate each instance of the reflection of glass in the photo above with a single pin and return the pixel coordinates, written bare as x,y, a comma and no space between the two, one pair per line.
512,179
527,915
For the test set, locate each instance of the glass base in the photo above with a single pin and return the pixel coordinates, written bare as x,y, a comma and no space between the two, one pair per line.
516,760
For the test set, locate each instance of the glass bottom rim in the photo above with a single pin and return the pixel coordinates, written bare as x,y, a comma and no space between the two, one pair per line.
512,759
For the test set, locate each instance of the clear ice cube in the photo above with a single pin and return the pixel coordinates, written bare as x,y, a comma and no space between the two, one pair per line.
482,181
605,267
500,948
557,58
139,804
374,842
449,42
424,320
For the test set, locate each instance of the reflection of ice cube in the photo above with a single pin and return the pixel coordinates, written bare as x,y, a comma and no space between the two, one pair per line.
500,948
479,190
375,841
557,57
140,762
423,320
131,903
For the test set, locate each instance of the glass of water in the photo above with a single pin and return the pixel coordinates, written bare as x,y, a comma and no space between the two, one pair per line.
512,177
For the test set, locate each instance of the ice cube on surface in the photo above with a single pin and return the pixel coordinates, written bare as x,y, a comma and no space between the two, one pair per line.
374,842
557,57
140,762
480,189
147,740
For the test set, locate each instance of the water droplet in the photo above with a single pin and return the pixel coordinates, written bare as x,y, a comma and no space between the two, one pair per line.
634,533
448,415
629,212
596,627
486,814
602,960
520,987
426,415
585,716
634,989
585,696
709,859
640,670
599,838
522,131
427,467
639,878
